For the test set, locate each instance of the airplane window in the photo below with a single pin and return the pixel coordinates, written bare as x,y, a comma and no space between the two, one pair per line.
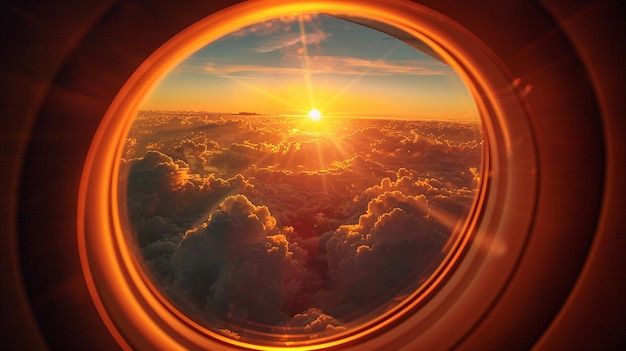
312,174
301,178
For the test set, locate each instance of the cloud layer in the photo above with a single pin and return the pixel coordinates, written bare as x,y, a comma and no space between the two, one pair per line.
257,223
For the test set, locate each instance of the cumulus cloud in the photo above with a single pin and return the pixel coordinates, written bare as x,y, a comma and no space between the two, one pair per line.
240,265
372,261
164,198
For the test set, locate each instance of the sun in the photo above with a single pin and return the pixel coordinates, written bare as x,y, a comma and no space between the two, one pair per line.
315,114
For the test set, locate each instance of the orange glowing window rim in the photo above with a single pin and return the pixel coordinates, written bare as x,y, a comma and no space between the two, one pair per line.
132,309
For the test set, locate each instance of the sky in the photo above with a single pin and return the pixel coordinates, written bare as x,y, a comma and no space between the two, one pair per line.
290,65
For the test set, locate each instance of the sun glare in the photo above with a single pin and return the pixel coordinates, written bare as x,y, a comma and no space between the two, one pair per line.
315,114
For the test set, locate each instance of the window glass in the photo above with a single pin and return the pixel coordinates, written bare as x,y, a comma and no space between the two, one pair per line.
300,176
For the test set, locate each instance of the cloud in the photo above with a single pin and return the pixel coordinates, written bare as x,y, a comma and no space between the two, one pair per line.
288,40
240,264
273,26
358,66
155,228
314,320
237,77
164,197
334,65
157,255
226,69
375,259
194,152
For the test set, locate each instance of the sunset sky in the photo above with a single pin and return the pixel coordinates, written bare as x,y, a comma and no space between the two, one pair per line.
289,66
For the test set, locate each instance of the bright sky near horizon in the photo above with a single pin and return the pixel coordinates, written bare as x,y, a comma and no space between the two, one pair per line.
290,65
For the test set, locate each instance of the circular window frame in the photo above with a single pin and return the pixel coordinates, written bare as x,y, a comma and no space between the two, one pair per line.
499,229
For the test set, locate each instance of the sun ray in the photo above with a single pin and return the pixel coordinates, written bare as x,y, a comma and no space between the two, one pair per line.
356,79
306,64
338,146
266,94
321,160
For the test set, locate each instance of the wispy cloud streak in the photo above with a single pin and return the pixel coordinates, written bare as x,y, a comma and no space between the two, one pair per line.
291,39
269,27
340,65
